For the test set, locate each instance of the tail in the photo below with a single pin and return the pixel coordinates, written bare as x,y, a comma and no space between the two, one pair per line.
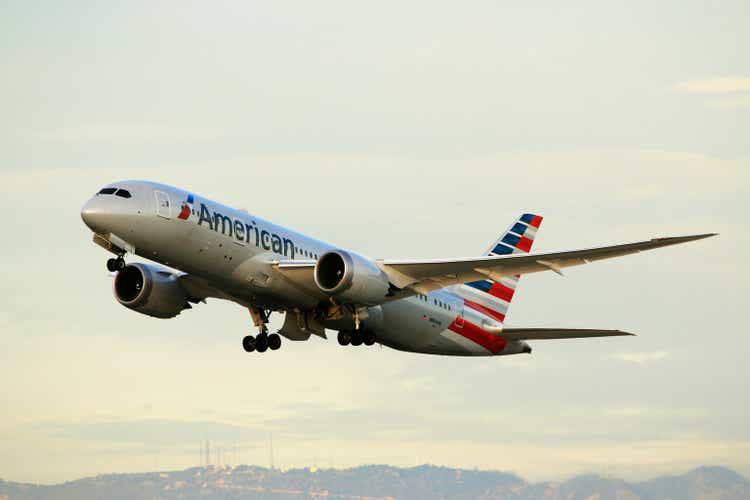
493,298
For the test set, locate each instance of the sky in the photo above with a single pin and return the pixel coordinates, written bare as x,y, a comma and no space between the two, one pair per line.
399,130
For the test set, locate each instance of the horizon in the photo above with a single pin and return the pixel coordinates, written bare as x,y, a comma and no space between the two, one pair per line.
323,468
397,131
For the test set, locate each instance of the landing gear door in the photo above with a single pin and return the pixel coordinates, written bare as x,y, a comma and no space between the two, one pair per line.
163,206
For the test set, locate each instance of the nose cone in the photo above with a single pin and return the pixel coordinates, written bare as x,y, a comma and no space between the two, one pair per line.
94,215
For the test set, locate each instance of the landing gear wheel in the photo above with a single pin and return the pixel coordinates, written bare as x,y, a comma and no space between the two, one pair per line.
261,343
111,265
344,338
274,341
248,343
357,338
368,338
120,263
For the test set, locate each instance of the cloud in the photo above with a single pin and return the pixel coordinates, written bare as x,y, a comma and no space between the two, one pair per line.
719,85
641,358
740,102
152,431
130,133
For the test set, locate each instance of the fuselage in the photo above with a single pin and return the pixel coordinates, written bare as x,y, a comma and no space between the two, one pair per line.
235,250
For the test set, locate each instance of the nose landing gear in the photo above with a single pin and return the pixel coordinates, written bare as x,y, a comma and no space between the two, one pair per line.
117,264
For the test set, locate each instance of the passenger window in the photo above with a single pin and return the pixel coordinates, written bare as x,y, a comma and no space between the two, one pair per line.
123,193
108,191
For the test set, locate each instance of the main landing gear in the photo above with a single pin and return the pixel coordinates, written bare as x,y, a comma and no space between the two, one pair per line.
356,337
263,341
117,264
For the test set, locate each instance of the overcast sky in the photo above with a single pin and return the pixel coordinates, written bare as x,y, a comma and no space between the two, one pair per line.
397,129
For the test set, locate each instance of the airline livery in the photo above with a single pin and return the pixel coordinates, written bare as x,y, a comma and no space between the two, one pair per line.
202,249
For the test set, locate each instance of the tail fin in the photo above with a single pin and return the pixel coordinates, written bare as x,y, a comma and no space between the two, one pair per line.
493,298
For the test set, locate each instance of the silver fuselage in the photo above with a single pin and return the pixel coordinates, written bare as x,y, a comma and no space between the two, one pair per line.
235,252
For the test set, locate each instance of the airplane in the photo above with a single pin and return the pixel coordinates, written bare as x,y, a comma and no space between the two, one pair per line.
203,249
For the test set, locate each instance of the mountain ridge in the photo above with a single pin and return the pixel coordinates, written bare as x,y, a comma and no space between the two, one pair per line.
380,482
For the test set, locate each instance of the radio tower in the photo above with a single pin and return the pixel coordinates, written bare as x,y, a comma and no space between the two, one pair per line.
271,449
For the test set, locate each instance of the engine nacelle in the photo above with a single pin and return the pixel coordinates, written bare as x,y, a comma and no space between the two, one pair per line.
351,278
150,290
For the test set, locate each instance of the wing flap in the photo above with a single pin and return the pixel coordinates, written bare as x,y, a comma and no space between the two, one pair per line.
558,333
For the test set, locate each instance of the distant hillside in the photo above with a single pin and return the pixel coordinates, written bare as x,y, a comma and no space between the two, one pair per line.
379,482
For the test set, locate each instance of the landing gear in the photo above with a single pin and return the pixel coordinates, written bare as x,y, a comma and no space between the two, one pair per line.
356,337
117,264
248,343
368,338
263,341
344,338
274,342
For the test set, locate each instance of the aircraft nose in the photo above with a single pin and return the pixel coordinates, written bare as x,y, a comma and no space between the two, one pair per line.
93,215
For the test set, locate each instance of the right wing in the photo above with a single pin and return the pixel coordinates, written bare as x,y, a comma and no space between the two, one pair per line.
427,275
558,333
422,276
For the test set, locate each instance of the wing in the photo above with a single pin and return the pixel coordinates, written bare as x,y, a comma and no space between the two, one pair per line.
424,276
558,333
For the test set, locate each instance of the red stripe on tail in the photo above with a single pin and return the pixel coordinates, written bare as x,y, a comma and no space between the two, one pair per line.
524,244
489,341
501,291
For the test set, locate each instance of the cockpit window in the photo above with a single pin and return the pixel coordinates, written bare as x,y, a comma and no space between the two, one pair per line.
123,193
108,191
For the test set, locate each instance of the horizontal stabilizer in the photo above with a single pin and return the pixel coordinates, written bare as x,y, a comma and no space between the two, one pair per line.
558,333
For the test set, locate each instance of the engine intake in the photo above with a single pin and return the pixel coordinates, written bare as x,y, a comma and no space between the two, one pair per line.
351,278
150,290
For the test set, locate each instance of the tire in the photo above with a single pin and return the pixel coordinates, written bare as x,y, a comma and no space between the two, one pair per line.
357,338
248,343
111,265
368,338
120,264
344,338
274,341
261,343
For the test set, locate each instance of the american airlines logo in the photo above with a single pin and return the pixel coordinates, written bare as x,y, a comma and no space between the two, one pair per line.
242,232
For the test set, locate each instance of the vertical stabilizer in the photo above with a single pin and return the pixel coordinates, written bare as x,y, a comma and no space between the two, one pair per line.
493,298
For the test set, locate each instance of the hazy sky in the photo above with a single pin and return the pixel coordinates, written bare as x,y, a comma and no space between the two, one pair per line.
417,129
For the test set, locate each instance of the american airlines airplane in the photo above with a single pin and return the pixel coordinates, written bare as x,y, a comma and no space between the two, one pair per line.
452,306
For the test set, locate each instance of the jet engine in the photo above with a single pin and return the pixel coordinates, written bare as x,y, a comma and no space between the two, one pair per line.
351,278
150,290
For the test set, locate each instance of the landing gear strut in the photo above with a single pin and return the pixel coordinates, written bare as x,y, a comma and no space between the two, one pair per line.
117,264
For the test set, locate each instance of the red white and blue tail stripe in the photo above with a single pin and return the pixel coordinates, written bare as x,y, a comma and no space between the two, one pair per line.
492,298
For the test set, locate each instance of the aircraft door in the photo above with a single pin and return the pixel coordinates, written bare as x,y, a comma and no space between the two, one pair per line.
163,206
